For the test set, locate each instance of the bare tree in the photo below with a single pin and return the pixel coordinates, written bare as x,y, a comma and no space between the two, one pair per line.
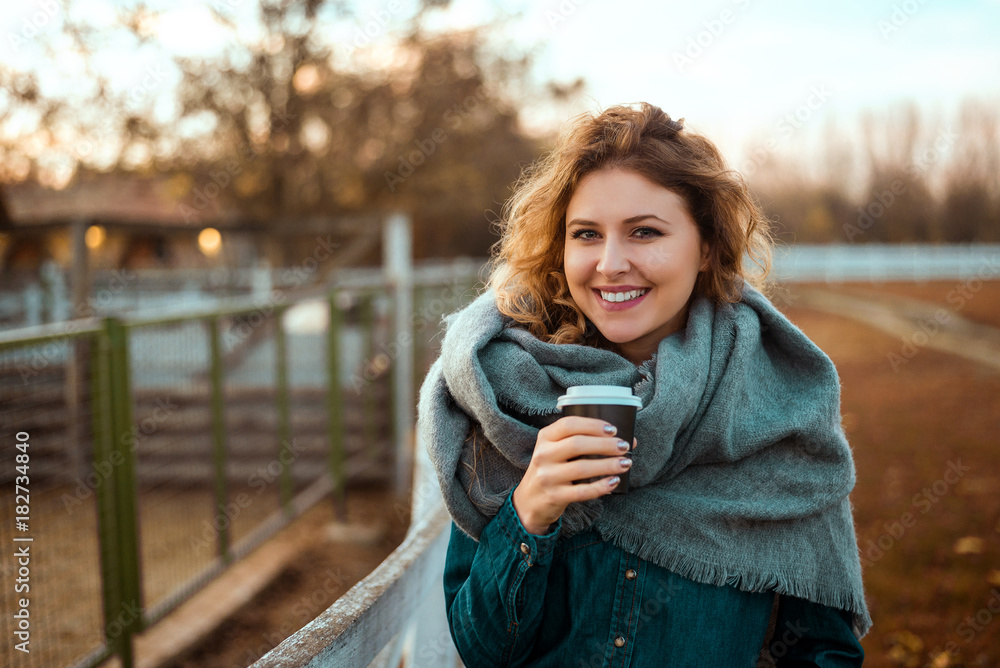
972,182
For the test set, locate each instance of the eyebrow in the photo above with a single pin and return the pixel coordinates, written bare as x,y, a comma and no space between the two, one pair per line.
627,221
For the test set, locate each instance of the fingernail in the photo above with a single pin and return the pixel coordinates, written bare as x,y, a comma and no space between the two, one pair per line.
622,445
613,481
624,462
610,429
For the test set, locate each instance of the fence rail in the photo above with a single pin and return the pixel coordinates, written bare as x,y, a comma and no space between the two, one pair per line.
876,263
165,447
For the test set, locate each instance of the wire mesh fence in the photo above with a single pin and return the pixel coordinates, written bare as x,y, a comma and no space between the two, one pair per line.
163,449
51,520
170,377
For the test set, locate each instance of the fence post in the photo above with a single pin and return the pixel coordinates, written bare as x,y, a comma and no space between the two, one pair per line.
335,409
127,495
114,443
398,263
369,386
420,346
285,455
219,440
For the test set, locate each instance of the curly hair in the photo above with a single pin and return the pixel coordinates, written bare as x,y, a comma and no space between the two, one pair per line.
527,262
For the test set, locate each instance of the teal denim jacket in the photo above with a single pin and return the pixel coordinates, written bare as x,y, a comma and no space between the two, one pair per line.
518,599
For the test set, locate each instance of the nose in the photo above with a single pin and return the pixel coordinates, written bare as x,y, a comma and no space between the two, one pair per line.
614,260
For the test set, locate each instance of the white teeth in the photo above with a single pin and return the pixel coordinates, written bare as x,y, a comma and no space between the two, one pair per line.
622,296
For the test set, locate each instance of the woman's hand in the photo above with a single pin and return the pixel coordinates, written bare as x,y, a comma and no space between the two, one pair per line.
547,486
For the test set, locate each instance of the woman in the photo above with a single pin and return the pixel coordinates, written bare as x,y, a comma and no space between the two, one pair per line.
621,262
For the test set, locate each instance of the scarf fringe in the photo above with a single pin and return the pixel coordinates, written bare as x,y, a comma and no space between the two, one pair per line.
745,579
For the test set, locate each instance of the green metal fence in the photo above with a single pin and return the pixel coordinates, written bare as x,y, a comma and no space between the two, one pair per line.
163,449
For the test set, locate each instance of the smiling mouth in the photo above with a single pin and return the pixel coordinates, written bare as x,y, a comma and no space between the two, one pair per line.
619,297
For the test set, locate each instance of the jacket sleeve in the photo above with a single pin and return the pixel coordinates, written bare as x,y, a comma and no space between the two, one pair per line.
495,589
808,635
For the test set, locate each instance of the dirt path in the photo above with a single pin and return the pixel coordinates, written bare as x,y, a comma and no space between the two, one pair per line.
924,436
919,323
334,556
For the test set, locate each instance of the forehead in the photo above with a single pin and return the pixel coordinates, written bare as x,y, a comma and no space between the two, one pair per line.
613,194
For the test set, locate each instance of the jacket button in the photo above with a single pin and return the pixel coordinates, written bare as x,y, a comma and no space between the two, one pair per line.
619,641
630,574
525,549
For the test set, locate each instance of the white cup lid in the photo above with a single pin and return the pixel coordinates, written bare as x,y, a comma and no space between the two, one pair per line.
599,394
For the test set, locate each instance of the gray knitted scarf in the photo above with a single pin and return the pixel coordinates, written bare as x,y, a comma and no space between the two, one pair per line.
742,472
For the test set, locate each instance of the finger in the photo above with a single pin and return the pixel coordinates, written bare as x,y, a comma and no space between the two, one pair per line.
593,489
598,488
577,424
578,446
583,469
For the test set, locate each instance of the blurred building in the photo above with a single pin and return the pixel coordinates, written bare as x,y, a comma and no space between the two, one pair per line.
168,234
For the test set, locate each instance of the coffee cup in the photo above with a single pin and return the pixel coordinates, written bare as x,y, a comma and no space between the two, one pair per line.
613,404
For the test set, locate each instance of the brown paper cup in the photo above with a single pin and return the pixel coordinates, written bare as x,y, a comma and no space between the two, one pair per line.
615,405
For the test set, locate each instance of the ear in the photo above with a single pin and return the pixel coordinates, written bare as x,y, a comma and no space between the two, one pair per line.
704,256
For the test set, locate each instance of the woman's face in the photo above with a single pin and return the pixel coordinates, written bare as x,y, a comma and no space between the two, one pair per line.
632,256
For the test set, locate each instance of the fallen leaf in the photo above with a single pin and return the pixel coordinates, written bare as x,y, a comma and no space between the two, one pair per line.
942,660
968,545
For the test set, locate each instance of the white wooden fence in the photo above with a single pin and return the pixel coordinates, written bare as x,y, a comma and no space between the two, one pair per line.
886,262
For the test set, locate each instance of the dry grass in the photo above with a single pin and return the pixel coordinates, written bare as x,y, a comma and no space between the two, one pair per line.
930,536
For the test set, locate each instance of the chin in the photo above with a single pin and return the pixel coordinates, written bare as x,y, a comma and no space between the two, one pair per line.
620,337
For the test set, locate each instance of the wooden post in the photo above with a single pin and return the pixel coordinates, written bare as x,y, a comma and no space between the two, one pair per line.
285,452
77,360
397,261
335,409
218,403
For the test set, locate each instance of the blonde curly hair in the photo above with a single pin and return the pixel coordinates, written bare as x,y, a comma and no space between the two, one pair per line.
526,270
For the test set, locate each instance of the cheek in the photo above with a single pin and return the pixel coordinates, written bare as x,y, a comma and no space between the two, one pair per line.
575,268
672,261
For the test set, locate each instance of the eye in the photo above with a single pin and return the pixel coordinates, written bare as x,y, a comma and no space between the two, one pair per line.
647,233
578,234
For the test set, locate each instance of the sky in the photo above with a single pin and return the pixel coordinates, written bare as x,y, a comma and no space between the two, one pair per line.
744,71
741,71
